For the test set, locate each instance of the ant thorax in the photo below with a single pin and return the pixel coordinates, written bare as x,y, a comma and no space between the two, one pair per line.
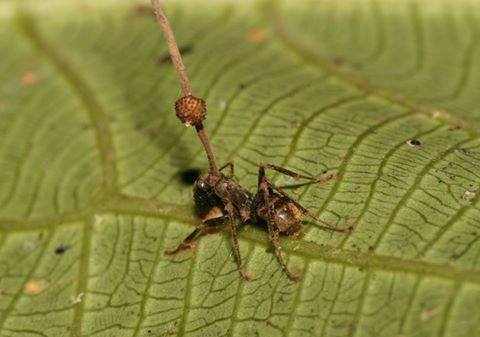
211,190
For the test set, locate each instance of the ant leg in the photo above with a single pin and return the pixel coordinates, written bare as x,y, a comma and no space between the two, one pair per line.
306,212
296,175
236,246
263,185
231,166
186,243
205,227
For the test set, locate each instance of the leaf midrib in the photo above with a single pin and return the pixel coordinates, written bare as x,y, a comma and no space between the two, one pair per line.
110,201
27,26
308,250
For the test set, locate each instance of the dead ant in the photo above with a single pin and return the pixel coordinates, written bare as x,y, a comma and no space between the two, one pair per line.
219,198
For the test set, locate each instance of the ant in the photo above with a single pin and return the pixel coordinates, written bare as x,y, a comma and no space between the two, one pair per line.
219,198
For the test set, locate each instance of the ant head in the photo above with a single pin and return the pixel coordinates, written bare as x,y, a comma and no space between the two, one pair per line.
202,184
288,217
204,195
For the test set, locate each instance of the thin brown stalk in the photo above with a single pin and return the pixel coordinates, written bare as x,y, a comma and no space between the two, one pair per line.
206,144
180,68
172,48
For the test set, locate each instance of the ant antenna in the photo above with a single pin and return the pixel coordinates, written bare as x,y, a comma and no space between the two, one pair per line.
190,110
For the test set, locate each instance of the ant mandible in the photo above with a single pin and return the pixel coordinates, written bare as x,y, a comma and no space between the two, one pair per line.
219,198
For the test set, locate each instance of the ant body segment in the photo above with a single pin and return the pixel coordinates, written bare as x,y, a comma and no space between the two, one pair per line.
219,198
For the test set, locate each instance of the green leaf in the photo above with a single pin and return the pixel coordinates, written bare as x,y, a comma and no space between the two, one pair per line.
91,156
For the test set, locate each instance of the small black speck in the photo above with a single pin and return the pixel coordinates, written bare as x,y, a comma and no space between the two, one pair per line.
184,50
414,142
61,249
189,176
242,86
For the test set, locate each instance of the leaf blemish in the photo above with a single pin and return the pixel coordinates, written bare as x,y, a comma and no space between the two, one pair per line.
184,50
61,249
414,142
468,196
257,36
28,79
34,287
143,10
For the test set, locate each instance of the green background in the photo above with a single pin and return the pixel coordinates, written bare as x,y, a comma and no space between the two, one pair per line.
90,155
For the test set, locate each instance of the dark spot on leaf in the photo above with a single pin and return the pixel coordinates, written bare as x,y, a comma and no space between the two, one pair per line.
414,142
153,131
454,128
184,50
371,248
241,86
143,10
338,61
61,249
189,176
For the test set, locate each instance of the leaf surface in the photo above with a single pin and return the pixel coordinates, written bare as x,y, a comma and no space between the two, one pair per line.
92,155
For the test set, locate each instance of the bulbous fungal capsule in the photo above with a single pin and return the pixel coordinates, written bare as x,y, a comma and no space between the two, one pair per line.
191,110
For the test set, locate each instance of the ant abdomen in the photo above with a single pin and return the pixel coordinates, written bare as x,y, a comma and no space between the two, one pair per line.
287,216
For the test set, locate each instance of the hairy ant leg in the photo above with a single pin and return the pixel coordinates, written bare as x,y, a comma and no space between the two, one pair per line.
236,246
207,226
306,212
230,165
263,186
296,175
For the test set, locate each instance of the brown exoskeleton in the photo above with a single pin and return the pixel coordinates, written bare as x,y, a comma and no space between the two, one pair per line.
219,198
